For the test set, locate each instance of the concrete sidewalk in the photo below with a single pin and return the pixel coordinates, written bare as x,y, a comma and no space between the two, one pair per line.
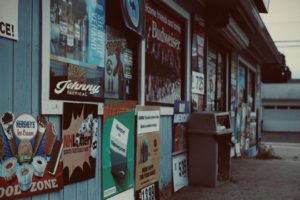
252,180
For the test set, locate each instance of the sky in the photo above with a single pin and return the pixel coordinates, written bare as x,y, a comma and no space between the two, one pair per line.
283,24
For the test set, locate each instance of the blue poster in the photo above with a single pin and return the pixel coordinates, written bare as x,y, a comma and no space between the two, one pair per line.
96,45
181,114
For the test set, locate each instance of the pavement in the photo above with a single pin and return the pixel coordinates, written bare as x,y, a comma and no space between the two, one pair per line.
253,179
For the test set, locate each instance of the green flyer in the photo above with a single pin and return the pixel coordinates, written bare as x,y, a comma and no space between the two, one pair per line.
118,147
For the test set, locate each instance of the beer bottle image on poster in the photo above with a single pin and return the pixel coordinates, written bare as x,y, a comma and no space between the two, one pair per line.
118,147
80,133
30,155
77,38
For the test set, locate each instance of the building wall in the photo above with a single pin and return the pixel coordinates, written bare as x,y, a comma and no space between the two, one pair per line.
20,88
281,107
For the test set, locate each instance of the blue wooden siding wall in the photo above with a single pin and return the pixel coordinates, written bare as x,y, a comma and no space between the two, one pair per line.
20,92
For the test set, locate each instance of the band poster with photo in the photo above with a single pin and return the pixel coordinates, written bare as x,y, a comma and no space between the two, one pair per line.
118,147
118,65
30,156
147,153
80,133
198,79
164,36
77,50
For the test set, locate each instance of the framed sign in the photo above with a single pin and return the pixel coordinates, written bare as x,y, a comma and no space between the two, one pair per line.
73,53
164,55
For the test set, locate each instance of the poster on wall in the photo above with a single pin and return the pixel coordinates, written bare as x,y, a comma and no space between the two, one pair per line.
118,65
197,83
163,56
118,147
147,153
30,156
133,15
181,116
80,132
198,39
77,50
233,90
180,171
9,10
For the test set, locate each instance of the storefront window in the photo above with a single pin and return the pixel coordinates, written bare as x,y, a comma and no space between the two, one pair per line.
221,94
242,92
211,69
164,36
198,79
251,90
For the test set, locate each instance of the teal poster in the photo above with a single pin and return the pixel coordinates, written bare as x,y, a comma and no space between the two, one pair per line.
118,147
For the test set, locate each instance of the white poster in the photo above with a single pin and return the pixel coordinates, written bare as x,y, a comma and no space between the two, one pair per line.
9,19
197,82
148,121
180,172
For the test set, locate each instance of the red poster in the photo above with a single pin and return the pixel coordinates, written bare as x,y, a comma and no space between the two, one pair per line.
164,36
30,156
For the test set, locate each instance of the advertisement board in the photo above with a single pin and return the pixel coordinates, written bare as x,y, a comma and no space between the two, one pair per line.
180,171
77,50
181,116
30,153
133,15
164,36
79,134
147,153
118,147
9,10
118,65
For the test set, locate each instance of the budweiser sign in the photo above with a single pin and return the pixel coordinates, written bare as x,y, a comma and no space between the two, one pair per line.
75,86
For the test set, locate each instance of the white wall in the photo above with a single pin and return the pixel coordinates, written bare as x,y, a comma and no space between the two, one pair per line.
285,95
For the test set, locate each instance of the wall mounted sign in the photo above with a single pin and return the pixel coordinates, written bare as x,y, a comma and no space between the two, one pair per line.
164,36
9,10
133,15
30,160
181,116
77,50
118,148
197,83
180,171
80,132
147,153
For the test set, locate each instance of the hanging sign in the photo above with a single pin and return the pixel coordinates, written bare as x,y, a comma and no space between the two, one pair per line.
133,15
9,10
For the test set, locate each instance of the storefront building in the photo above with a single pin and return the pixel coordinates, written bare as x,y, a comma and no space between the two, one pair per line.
95,94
